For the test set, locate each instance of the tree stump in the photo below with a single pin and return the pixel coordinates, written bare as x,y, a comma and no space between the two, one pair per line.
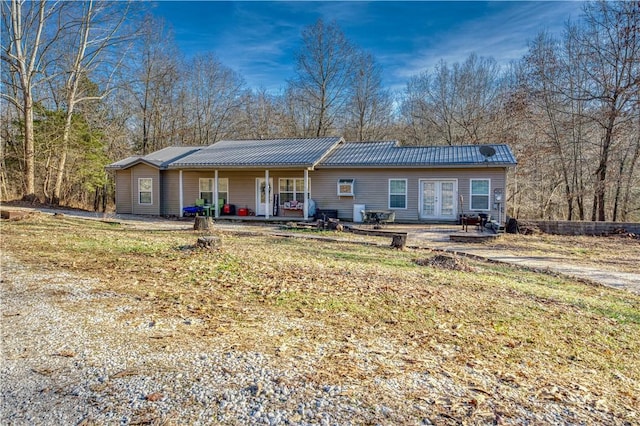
202,223
208,242
399,241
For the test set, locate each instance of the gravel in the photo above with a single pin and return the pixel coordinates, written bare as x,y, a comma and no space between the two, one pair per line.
75,354
66,362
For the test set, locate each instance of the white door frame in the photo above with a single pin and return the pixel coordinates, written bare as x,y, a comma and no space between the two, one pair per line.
261,208
438,205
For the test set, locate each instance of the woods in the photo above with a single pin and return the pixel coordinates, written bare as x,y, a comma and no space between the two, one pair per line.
88,83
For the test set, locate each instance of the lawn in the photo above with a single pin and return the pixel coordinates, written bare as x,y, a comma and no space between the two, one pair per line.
483,344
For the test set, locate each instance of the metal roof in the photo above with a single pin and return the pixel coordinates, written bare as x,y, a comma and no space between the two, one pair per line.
391,154
160,159
330,152
259,153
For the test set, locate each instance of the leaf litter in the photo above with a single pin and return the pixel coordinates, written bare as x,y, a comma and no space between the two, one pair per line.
433,336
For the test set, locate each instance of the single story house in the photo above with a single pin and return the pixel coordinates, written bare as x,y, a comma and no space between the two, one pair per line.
284,177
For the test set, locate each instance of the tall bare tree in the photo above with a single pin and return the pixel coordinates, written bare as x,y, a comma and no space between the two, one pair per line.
95,48
25,42
213,94
324,70
610,46
154,85
552,80
369,108
456,102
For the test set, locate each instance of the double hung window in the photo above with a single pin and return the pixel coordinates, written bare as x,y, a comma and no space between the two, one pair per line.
292,189
145,191
206,190
480,194
397,193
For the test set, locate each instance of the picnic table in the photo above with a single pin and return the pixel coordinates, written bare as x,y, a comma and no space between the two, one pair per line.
378,216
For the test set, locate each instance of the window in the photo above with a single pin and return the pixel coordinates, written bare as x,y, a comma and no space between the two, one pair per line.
223,190
206,190
145,189
292,189
480,194
345,187
397,193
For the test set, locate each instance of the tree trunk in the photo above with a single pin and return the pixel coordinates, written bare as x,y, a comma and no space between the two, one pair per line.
203,223
29,150
208,242
62,163
399,241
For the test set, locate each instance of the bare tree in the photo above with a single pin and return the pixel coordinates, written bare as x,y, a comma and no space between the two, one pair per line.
610,52
324,68
25,43
370,105
454,104
96,39
154,84
213,94
552,80
262,115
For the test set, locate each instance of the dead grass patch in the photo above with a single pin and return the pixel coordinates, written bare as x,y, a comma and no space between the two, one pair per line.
472,341
615,252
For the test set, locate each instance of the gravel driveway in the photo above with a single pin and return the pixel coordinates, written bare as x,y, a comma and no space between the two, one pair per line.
66,362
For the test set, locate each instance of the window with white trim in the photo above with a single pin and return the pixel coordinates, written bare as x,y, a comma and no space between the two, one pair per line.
145,191
291,189
223,190
345,187
206,190
480,189
397,193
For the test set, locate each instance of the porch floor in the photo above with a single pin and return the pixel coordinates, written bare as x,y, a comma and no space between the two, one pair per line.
232,218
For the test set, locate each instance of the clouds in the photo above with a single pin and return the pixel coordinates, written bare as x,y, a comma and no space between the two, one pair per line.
259,39
503,32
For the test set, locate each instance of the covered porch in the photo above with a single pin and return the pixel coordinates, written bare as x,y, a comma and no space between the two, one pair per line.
282,194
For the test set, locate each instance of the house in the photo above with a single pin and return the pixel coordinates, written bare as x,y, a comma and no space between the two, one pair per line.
280,177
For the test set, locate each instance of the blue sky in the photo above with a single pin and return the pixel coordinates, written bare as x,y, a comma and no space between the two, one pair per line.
259,38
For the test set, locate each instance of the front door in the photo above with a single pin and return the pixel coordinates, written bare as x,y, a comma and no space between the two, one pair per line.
261,196
438,199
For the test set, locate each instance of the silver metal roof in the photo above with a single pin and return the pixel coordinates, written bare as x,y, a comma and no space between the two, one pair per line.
258,153
159,159
391,154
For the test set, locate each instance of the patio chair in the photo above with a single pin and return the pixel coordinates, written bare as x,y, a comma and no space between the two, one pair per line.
200,206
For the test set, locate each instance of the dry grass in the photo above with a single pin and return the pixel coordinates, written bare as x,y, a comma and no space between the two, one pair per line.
495,343
615,253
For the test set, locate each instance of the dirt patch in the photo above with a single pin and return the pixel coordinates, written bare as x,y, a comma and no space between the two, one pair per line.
448,262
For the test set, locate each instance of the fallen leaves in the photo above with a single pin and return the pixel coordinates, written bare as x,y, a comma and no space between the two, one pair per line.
359,315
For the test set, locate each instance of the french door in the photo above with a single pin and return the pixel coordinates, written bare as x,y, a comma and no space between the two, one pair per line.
438,199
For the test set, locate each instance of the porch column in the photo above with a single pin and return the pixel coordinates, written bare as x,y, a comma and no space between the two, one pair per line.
180,202
305,206
216,204
267,192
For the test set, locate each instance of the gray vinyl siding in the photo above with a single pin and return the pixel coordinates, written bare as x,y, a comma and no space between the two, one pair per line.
123,192
170,202
372,188
144,171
